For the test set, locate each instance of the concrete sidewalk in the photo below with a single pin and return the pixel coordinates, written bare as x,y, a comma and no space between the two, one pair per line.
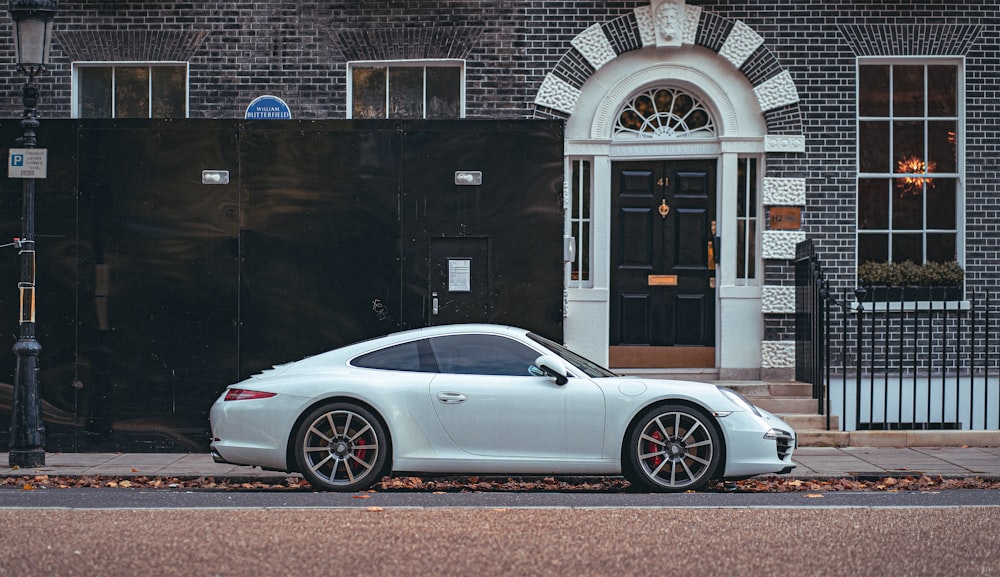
812,462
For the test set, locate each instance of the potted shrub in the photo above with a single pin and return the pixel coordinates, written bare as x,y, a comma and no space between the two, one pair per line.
910,281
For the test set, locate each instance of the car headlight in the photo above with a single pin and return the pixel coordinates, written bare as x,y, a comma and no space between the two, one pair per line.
739,400
775,434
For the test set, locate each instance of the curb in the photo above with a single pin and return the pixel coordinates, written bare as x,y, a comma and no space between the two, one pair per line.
886,439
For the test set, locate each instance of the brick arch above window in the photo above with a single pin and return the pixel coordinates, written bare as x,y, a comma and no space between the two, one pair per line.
126,46
909,40
406,43
647,26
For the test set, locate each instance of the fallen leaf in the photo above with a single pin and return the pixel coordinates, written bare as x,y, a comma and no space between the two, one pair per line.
374,509
362,496
814,496
28,487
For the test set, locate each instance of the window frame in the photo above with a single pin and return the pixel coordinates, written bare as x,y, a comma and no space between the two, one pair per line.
754,207
422,63
113,64
662,124
431,355
577,225
958,176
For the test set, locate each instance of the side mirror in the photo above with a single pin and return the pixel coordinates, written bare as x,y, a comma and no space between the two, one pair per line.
554,367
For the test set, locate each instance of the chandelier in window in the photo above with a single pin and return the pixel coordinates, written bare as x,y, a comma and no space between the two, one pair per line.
914,184
664,113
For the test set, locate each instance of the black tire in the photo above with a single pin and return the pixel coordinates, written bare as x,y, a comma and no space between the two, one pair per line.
672,448
341,447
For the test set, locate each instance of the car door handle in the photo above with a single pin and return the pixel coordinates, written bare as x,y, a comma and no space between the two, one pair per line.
451,398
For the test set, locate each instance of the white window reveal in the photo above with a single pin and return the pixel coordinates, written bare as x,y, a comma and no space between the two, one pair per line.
910,164
746,222
130,90
664,113
581,193
406,89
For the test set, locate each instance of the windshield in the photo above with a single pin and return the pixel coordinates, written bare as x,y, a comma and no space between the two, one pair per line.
590,368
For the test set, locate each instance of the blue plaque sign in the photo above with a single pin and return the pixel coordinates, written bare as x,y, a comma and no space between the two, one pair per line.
268,108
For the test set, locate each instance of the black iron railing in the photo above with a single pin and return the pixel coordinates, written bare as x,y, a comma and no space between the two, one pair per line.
812,317
897,357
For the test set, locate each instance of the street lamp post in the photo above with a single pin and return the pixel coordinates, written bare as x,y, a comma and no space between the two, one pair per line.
32,38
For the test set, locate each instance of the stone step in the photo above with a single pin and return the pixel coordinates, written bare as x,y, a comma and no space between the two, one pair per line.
786,405
809,421
755,389
793,402
823,438
696,375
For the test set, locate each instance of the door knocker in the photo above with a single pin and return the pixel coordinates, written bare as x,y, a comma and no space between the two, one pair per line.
664,209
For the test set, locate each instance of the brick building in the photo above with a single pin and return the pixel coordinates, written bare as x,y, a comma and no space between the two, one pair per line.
703,139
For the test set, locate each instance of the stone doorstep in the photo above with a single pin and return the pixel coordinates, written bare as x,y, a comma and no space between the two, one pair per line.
822,438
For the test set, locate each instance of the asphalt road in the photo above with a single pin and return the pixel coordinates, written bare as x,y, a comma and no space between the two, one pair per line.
89,498
96,532
523,542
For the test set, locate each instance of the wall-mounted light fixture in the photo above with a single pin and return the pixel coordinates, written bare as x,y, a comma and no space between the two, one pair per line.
215,177
468,177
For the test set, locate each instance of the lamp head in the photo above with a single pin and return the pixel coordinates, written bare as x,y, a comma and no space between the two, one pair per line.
32,33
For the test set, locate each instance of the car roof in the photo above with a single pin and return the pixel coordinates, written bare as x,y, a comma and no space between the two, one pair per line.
352,350
437,330
345,353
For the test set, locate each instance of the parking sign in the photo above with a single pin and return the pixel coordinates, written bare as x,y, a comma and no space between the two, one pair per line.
27,163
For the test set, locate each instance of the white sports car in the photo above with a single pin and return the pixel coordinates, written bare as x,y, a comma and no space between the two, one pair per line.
488,399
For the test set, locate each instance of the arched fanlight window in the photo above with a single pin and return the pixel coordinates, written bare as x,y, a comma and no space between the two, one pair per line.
662,114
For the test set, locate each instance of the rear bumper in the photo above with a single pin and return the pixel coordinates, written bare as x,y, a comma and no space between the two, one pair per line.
217,457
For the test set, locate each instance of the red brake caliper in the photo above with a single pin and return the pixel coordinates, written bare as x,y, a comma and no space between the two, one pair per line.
653,447
360,453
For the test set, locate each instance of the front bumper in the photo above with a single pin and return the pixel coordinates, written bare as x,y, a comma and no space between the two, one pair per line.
757,445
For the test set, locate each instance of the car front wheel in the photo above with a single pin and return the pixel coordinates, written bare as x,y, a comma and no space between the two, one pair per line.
673,448
341,447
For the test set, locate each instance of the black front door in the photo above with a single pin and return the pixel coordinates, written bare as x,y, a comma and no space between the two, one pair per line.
663,253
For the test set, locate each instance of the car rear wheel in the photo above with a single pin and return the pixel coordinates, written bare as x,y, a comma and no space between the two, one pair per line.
673,448
341,447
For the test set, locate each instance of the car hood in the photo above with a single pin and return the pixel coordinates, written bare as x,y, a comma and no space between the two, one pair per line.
705,394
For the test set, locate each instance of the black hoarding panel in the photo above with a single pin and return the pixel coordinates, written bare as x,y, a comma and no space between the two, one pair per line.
320,238
158,270
137,318
157,289
56,276
517,206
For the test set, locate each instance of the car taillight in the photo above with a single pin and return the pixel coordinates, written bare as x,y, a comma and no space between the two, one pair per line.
244,394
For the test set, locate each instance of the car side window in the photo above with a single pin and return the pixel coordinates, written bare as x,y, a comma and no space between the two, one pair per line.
414,356
482,355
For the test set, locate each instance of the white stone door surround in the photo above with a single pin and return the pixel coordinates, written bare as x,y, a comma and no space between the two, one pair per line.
754,104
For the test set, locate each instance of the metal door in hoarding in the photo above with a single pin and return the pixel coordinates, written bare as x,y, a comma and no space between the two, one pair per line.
460,281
